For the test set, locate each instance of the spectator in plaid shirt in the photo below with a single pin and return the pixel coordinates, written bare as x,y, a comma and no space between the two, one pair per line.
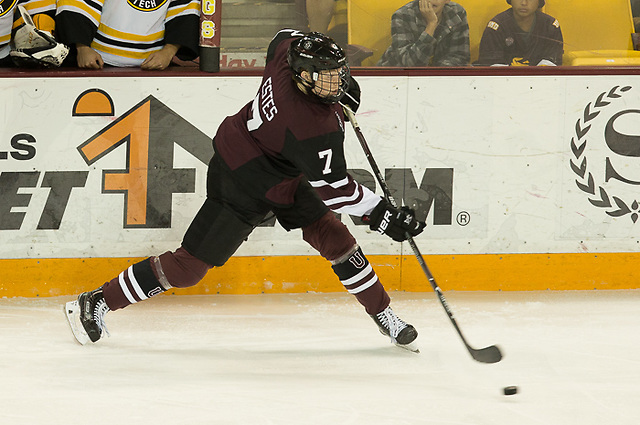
428,33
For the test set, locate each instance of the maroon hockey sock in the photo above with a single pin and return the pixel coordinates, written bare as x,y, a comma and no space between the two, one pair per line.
152,276
180,269
334,242
357,275
329,236
135,284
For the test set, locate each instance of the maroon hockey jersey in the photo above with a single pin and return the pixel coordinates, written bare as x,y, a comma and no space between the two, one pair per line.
283,136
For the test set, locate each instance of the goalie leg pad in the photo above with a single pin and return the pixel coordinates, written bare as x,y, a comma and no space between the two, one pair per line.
31,46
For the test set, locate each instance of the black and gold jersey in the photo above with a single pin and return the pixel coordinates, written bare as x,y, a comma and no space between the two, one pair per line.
125,32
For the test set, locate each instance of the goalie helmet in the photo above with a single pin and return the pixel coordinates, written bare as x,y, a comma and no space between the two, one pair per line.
32,47
315,52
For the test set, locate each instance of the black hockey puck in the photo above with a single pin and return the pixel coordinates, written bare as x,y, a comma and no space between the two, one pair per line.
510,390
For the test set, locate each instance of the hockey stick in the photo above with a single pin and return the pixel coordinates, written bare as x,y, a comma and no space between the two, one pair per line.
489,354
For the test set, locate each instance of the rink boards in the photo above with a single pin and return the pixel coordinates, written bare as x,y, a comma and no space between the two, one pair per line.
526,182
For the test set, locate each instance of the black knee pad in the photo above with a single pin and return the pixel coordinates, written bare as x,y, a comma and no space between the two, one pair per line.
355,272
141,281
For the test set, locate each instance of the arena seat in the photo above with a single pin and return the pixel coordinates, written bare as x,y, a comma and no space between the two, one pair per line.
595,32
479,13
370,25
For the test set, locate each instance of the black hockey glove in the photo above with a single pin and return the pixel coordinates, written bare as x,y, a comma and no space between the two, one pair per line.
393,222
352,97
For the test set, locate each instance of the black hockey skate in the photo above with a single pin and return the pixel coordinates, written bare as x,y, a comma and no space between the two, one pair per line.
86,316
402,334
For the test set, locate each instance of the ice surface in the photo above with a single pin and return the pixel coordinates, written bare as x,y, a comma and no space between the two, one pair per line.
319,359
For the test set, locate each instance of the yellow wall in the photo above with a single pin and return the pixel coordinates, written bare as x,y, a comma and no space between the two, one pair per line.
593,25
601,27
296,274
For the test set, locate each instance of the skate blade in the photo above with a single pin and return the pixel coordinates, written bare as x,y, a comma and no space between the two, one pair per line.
72,311
413,347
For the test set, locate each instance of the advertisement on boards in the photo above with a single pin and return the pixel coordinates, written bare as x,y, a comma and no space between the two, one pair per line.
109,167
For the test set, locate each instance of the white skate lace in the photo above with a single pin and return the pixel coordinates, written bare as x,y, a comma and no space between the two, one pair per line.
391,322
98,315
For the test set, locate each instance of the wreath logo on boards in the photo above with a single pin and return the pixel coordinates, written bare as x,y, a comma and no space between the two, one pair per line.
619,143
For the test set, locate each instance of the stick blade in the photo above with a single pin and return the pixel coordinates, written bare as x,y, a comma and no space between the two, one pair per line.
490,354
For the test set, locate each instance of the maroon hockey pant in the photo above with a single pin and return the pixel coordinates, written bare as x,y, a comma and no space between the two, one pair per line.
180,269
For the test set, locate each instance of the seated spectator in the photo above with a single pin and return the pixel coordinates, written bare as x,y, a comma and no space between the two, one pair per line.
522,35
33,38
635,12
120,34
428,33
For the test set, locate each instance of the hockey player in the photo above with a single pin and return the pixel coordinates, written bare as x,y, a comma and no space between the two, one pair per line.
129,33
282,153
522,36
